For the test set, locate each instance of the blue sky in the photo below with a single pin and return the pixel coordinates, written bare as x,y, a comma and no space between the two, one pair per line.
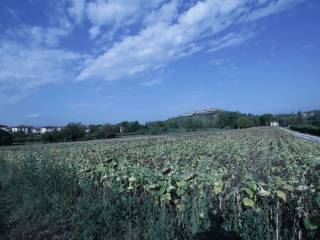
99,61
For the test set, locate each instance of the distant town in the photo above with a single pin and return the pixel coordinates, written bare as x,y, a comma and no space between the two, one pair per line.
29,129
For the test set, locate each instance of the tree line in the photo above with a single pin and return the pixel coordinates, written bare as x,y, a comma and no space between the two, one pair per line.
219,119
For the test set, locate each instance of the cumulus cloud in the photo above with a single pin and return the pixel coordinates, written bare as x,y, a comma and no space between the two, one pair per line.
169,35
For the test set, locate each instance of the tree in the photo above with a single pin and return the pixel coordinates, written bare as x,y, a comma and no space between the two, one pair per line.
94,129
51,137
106,131
265,119
228,119
245,122
316,118
133,126
300,118
73,132
157,127
5,138
124,126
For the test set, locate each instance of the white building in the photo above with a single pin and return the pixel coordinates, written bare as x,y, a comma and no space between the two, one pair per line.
4,127
36,131
49,129
22,128
274,124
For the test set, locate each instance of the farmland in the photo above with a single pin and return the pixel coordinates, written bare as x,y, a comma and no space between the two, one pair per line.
261,183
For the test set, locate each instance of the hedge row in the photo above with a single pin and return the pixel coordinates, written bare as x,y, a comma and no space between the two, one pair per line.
310,129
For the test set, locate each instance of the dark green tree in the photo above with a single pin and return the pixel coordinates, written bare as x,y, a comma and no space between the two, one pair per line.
51,137
5,138
106,131
265,119
300,118
73,132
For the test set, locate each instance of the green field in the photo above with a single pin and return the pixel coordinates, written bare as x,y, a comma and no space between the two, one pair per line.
260,183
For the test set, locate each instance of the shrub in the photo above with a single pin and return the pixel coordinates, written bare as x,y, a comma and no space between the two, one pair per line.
310,129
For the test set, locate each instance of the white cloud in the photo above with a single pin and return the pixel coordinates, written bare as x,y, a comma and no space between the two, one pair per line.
37,35
270,7
77,9
165,14
117,13
230,40
217,62
151,83
167,37
151,33
23,69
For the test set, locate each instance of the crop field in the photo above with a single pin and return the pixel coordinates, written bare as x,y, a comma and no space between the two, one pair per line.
259,183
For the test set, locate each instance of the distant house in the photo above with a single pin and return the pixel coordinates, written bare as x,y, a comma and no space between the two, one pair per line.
36,130
4,127
49,129
274,124
122,129
205,111
22,128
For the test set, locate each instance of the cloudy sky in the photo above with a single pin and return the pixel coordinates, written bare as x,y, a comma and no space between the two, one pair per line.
98,61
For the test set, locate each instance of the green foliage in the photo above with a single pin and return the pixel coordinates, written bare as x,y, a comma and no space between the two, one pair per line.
5,138
157,127
311,223
106,131
265,119
310,129
73,132
52,137
248,202
261,182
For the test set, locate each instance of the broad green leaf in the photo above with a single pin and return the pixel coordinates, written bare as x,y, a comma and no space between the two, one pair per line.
281,195
252,185
249,192
217,188
318,199
162,188
132,179
263,192
288,187
101,167
309,224
180,192
248,202
183,185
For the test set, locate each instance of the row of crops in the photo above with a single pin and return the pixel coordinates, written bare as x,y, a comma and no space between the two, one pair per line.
262,182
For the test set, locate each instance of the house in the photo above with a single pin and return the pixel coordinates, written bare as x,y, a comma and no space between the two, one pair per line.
274,124
36,131
49,129
22,128
4,127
